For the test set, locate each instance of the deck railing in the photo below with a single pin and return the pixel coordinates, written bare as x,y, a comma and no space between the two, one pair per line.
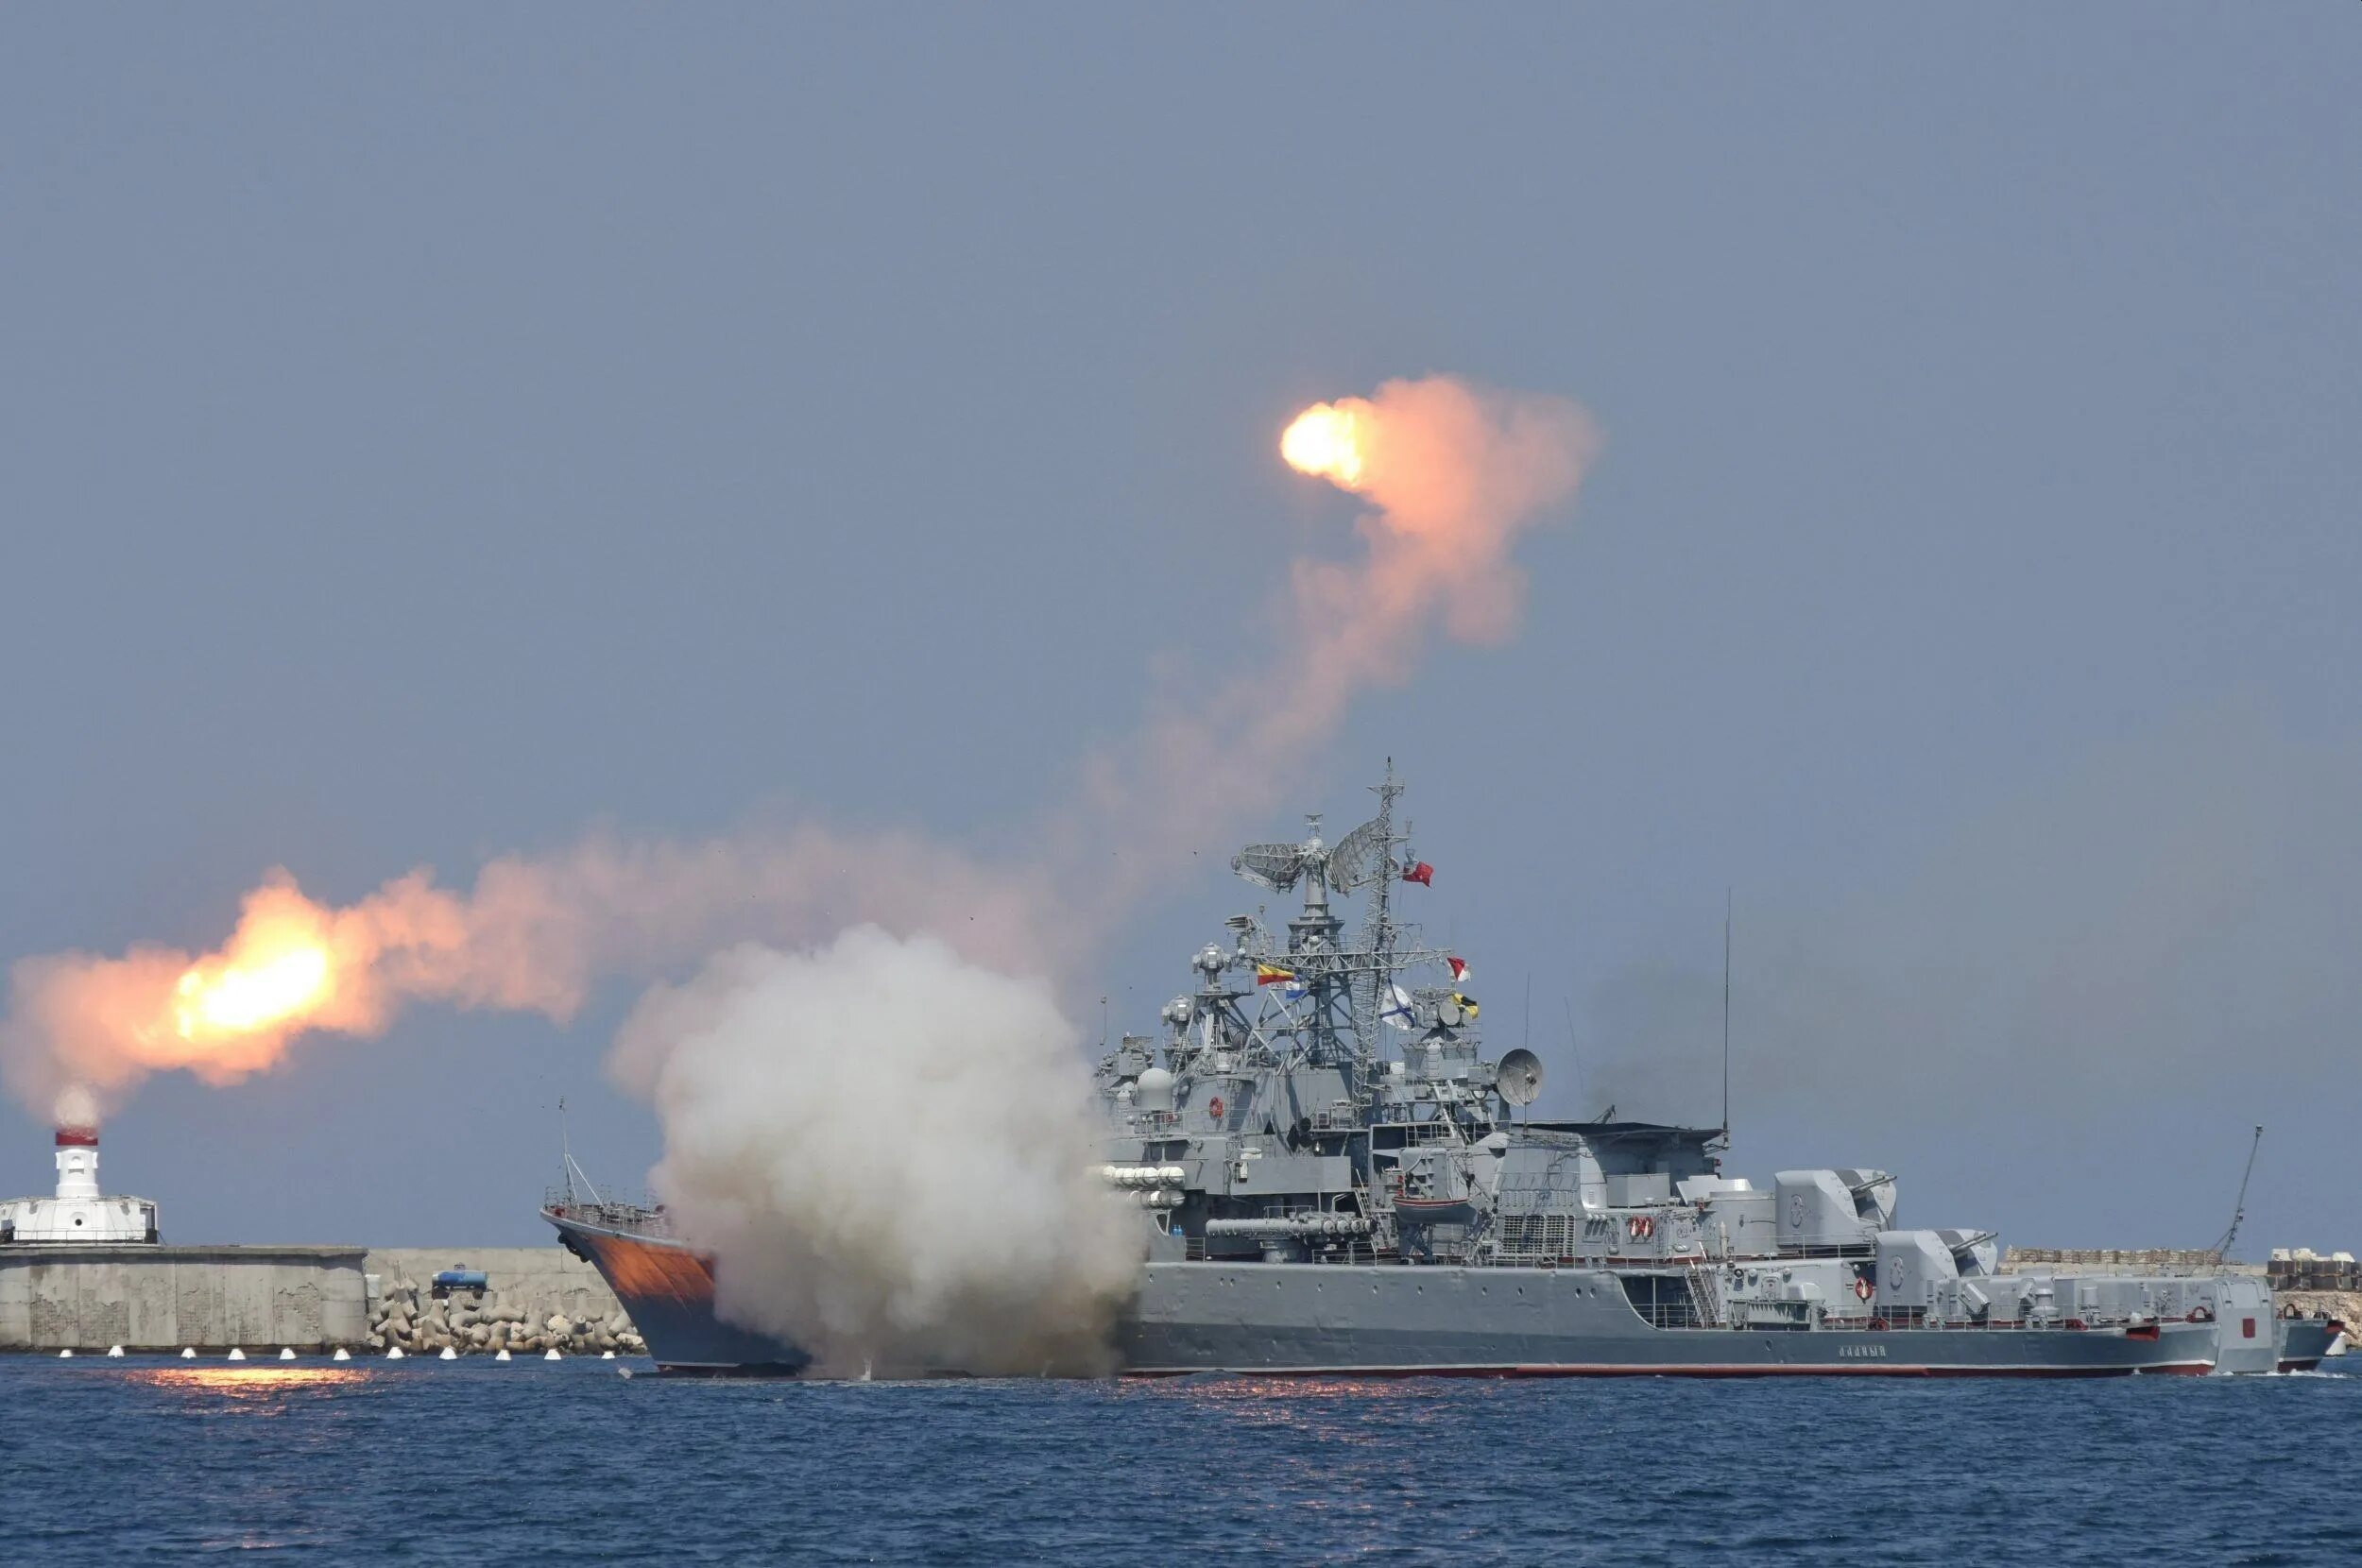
634,1212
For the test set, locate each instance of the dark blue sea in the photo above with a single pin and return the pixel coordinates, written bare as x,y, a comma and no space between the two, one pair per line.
476,1462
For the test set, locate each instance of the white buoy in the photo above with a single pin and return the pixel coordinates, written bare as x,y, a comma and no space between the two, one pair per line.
501,1354
394,1354
342,1355
114,1352
607,1355
236,1355
449,1355
286,1353
188,1352
66,1355
553,1355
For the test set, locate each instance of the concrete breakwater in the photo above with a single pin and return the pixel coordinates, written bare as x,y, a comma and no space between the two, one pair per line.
533,1300
149,1298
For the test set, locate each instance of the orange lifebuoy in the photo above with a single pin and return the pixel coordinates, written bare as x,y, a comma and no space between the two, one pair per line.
1863,1288
1213,1107
2199,1315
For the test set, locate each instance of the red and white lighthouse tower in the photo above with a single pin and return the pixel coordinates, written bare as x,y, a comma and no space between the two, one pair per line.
80,1212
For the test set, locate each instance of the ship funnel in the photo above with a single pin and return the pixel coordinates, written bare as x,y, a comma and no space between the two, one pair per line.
78,1162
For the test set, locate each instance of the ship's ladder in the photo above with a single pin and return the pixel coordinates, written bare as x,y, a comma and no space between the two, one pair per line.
1705,1295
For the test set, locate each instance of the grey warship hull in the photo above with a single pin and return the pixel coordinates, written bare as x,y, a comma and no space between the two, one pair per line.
1391,1320
1320,1320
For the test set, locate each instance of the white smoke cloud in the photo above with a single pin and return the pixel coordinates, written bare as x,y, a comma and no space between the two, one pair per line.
891,1151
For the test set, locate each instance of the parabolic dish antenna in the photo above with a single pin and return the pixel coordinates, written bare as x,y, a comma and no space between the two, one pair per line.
1519,1077
1357,859
1271,865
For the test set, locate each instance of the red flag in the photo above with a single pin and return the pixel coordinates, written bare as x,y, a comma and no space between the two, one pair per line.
1459,968
1420,873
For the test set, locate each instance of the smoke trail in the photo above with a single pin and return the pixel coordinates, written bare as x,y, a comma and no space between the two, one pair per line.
1455,474
535,934
889,1151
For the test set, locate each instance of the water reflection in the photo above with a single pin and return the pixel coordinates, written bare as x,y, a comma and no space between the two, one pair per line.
1350,1412
1399,1394
241,1382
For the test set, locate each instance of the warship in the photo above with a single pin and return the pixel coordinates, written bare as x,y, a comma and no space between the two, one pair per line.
1332,1177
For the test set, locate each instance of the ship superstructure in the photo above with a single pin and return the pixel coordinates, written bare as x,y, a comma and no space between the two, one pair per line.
1334,1177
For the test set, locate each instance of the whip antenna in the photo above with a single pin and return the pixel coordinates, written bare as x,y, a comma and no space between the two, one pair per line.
1726,1014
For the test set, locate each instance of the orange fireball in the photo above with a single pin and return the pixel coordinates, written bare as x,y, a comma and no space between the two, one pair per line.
1331,441
256,993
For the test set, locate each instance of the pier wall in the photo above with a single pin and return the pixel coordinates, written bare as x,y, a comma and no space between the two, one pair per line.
148,1298
164,1298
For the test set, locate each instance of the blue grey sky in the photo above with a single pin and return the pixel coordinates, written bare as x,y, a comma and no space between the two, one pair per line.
428,432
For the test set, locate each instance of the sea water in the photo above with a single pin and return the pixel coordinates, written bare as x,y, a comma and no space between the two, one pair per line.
421,1461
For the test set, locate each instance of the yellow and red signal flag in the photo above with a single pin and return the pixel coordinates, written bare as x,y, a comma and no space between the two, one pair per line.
1271,974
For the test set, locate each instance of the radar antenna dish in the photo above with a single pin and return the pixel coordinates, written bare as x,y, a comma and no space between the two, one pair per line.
1519,1077
1355,863
1272,865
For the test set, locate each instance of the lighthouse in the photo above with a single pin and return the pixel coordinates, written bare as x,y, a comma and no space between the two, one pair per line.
80,1212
